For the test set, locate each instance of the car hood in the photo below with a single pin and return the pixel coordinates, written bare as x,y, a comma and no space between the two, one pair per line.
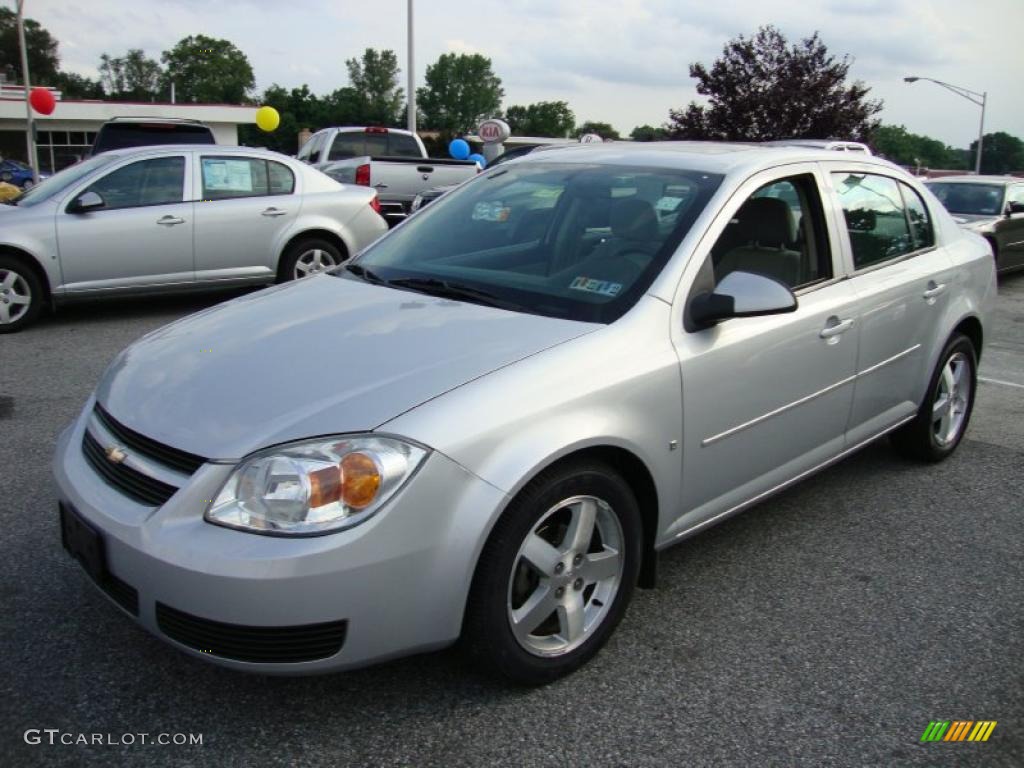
974,221
322,356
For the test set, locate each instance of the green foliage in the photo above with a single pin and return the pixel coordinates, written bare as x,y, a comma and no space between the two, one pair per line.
374,81
207,70
551,119
41,48
896,143
648,133
461,90
132,77
604,130
1000,153
73,86
761,88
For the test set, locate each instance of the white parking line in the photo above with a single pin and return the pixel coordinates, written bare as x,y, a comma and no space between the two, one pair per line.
1001,382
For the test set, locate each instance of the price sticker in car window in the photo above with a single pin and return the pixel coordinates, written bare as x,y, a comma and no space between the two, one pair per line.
589,285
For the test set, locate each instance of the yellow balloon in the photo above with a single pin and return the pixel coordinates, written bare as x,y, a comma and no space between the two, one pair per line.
267,119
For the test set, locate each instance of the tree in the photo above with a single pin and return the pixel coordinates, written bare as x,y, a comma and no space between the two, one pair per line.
761,88
41,49
207,70
1000,153
132,77
461,90
74,86
896,143
648,133
552,119
374,80
604,130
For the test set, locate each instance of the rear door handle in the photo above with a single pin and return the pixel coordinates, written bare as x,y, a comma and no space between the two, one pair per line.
380,185
273,212
834,326
934,289
169,221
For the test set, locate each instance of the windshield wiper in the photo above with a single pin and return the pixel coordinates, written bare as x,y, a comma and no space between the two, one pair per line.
444,289
366,274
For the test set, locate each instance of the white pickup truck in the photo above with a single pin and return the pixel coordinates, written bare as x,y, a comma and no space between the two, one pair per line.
392,161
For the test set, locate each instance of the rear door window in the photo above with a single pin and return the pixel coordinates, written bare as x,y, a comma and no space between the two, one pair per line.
230,177
876,218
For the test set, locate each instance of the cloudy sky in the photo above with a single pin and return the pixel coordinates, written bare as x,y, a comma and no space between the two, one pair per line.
618,61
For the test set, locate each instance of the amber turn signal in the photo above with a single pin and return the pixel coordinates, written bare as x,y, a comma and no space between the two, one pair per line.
360,480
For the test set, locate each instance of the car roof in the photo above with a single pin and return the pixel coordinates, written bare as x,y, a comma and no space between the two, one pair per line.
972,179
709,156
166,120
220,149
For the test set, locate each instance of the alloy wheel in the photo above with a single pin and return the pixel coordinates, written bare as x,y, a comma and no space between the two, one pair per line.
565,576
15,296
312,262
952,396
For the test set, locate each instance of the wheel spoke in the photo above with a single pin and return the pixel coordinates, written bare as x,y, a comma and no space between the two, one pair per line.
600,566
541,555
581,528
947,379
531,614
941,405
317,256
9,280
570,617
19,299
301,268
958,374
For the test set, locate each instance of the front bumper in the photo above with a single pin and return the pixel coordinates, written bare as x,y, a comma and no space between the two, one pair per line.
398,581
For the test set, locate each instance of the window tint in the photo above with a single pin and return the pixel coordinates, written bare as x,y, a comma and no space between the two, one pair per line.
917,215
227,177
158,181
968,197
875,217
778,232
347,145
400,145
359,143
282,180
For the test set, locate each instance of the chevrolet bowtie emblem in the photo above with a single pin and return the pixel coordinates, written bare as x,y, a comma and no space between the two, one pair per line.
115,455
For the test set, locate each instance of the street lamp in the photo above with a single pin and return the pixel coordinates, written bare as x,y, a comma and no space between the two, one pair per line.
29,137
972,96
410,100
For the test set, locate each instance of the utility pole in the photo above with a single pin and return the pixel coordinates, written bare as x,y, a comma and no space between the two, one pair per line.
410,100
30,138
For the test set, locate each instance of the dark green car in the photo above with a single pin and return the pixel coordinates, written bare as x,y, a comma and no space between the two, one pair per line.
992,206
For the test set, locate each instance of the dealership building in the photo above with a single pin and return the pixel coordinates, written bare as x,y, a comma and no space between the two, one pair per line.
64,136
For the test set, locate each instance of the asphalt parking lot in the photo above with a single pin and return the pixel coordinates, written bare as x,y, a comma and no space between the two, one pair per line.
827,626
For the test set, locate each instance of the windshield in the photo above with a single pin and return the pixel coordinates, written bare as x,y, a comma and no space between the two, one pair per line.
59,182
576,241
972,199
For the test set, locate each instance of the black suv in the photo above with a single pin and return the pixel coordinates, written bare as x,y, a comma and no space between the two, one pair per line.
121,132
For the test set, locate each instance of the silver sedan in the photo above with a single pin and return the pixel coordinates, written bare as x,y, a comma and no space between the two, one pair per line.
487,426
161,219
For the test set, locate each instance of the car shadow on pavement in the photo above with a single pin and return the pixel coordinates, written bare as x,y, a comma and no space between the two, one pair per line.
161,307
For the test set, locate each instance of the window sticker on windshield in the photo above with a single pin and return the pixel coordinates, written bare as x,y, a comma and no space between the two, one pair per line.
603,287
491,212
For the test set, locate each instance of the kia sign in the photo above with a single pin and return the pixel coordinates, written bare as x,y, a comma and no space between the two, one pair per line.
591,138
493,131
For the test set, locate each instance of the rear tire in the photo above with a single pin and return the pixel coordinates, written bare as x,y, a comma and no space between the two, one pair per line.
21,295
308,256
555,575
943,417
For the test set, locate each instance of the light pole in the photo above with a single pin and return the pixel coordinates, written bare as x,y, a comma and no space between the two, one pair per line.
411,97
973,96
30,140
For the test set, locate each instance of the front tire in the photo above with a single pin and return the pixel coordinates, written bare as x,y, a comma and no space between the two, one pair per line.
21,295
946,411
307,257
555,575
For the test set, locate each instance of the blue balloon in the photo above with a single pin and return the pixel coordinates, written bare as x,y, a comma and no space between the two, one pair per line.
479,159
458,149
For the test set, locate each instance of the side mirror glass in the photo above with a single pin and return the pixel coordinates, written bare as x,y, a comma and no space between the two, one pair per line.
87,201
742,294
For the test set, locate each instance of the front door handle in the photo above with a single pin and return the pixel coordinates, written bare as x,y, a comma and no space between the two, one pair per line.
169,221
934,289
834,326
273,212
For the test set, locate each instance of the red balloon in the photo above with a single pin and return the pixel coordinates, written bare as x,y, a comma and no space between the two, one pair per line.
42,101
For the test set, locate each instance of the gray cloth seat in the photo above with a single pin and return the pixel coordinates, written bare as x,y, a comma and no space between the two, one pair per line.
763,231
634,235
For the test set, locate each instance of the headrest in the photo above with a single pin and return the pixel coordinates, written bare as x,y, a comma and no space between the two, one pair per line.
765,221
634,219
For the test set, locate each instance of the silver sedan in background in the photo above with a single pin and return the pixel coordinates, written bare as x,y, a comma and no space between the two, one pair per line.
168,218
488,425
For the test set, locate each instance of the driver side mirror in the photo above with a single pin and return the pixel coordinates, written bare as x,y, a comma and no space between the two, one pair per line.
1014,207
87,201
742,294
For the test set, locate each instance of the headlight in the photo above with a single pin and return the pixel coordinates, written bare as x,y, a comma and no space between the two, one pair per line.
314,487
